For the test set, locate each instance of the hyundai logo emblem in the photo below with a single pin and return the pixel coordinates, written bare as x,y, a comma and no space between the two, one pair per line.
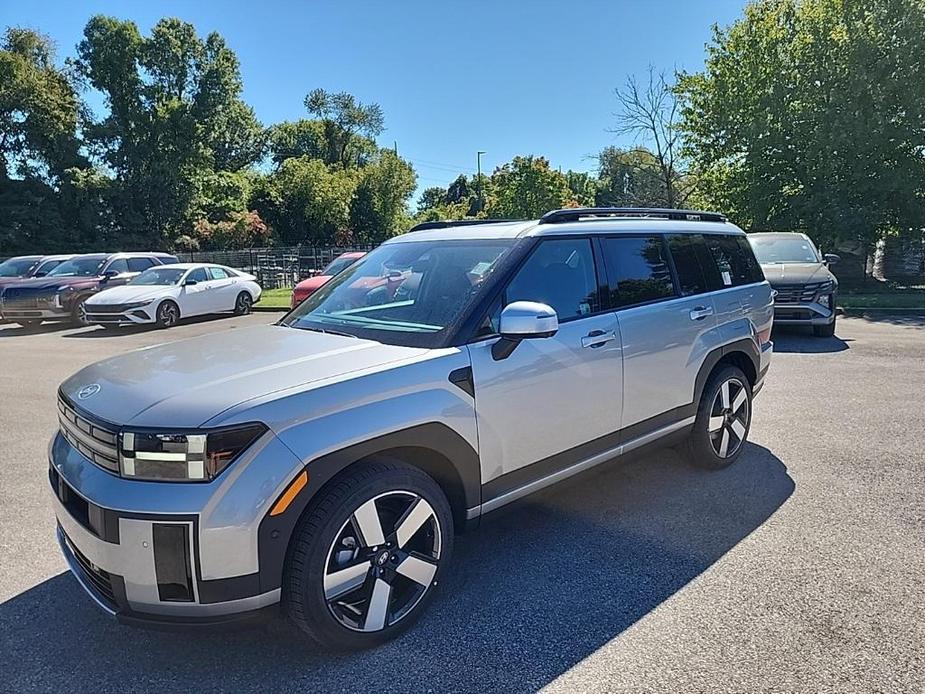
88,391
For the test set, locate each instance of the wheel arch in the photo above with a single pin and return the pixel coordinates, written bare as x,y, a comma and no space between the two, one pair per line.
433,448
743,354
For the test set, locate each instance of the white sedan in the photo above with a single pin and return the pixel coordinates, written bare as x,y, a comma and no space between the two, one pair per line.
165,293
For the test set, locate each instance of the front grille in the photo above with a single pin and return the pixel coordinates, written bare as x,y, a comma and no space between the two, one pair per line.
96,441
110,308
23,299
94,575
799,293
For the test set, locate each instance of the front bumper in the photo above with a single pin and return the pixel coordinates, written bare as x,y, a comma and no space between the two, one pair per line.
803,313
177,558
14,314
135,316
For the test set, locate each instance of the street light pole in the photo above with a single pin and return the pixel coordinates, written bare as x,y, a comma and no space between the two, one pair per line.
478,165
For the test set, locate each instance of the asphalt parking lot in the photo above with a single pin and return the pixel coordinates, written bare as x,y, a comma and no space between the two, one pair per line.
800,568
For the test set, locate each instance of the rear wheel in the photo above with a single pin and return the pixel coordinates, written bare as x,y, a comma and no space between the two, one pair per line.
366,558
168,314
724,417
243,304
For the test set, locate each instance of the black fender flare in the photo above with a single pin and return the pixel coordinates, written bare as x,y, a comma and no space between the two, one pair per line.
431,439
746,346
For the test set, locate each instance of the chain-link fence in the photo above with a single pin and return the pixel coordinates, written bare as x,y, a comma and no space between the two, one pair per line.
274,267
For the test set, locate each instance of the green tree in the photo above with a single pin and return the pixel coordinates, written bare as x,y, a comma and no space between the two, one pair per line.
630,178
348,125
583,187
378,209
306,202
39,109
175,116
808,116
431,197
527,188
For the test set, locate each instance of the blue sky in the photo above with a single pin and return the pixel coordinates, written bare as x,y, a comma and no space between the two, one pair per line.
515,77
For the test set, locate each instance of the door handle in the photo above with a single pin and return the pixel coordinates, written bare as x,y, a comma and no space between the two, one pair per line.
598,338
701,312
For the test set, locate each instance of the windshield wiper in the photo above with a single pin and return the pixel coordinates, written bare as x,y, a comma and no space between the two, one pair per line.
319,330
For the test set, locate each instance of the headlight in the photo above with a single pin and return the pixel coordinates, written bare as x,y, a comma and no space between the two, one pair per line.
184,457
135,304
824,300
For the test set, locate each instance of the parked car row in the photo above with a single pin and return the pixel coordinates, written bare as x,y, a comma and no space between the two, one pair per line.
112,289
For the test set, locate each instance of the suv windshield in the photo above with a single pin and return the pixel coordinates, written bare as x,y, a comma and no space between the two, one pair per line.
16,267
401,289
79,267
784,249
338,265
159,276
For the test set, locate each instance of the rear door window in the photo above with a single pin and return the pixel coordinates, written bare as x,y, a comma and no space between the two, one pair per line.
687,263
638,270
139,264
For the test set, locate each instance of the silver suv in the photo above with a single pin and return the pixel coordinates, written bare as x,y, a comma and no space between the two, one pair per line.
322,465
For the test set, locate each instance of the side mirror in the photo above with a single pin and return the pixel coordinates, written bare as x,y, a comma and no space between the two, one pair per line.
40,273
108,275
831,258
523,320
190,283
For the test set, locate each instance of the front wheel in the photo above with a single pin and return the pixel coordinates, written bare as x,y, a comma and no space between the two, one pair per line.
168,315
243,304
724,417
366,558
79,314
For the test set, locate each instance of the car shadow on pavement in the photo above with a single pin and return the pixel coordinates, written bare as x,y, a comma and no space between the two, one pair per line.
16,330
911,320
538,588
801,340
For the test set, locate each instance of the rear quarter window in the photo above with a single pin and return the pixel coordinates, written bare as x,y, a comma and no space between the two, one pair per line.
734,259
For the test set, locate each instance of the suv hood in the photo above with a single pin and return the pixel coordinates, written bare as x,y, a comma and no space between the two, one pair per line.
796,273
128,293
186,383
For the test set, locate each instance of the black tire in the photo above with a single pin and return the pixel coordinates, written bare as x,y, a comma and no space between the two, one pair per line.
334,613
78,314
243,304
704,448
168,314
827,330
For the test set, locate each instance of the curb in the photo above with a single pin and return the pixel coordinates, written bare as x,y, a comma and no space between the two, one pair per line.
269,309
860,311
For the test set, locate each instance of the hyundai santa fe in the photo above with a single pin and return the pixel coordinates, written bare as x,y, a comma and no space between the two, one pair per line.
320,467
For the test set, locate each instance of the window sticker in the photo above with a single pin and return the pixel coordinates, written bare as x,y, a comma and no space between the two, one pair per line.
727,278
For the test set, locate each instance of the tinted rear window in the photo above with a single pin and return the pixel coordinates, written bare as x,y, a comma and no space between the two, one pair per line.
734,259
687,263
638,270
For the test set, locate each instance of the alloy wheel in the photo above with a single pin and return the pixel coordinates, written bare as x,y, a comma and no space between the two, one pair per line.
244,303
169,315
382,561
728,423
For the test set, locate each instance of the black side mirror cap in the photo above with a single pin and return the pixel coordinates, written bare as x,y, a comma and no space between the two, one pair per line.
831,258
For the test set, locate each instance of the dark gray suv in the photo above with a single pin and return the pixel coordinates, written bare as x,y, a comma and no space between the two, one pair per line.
806,290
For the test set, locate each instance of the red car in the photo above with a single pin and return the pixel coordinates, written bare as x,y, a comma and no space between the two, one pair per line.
306,288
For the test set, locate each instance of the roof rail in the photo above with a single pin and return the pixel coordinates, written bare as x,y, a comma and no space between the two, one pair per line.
444,224
577,213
